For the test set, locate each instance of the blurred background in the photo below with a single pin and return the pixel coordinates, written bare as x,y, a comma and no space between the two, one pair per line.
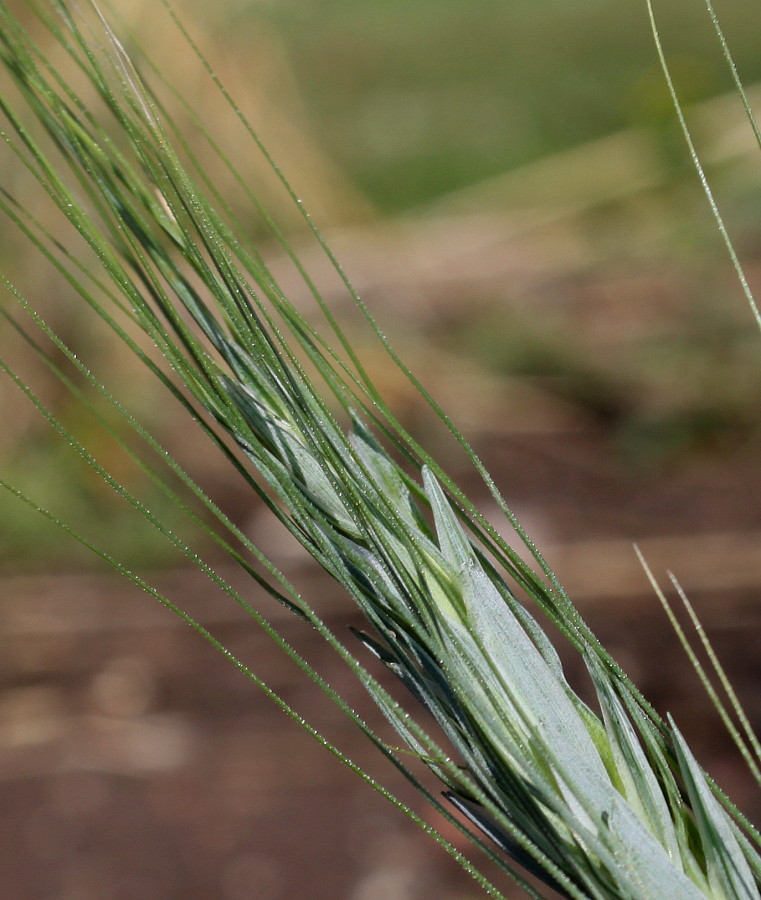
507,187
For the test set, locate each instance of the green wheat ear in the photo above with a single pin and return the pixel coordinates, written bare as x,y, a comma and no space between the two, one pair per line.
609,806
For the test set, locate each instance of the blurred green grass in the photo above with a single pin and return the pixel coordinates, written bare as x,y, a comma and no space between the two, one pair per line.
415,99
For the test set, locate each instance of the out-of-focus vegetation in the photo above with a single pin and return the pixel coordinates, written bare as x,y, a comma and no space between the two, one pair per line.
506,184
415,99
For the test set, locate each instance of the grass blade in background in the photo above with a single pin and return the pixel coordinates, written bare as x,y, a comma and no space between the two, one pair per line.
694,156
601,808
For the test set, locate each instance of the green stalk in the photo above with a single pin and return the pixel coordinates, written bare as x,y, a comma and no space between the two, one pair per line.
596,807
